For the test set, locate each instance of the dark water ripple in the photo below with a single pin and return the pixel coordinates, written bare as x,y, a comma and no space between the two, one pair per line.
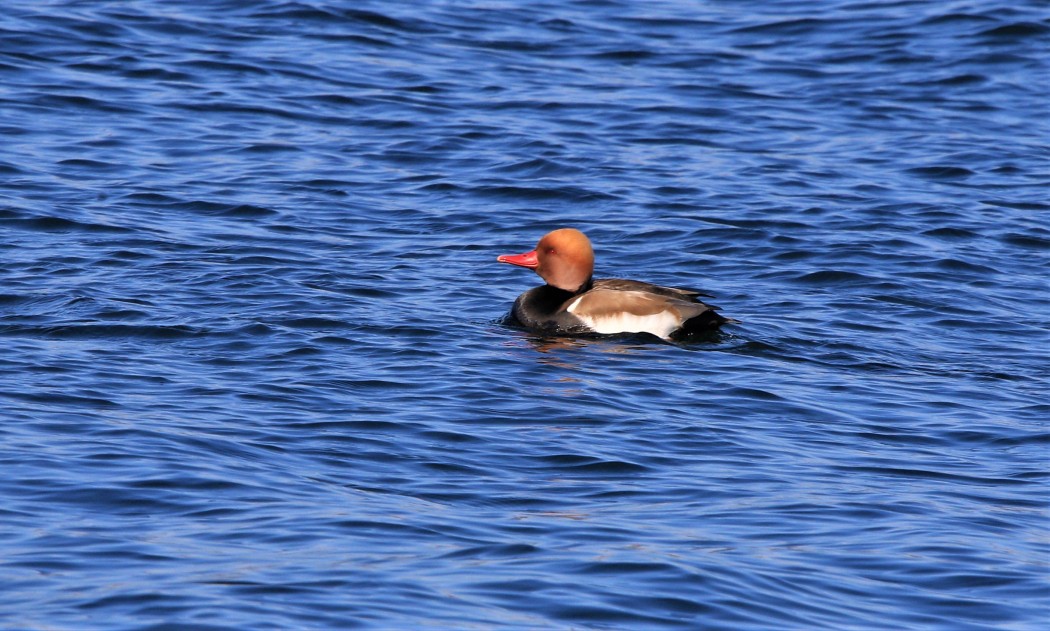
254,374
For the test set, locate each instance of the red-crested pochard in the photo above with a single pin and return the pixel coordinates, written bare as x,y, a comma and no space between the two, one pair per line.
573,303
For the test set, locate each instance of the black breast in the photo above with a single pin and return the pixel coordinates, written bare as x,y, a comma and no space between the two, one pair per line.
541,309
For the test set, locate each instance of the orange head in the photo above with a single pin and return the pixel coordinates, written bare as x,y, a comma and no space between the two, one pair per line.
563,258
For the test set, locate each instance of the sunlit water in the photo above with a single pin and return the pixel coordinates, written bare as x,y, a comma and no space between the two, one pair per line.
253,371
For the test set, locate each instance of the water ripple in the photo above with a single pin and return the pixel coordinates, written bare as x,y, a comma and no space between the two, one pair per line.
254,333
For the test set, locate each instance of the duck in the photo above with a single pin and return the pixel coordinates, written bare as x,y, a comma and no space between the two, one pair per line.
573,303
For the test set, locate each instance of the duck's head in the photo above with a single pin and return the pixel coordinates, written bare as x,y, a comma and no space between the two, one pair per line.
564,258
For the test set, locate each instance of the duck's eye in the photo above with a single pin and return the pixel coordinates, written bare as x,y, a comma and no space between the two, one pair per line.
550,250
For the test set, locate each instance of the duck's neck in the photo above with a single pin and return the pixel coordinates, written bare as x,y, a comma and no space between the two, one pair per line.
586,286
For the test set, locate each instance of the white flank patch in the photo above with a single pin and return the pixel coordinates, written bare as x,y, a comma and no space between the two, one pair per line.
659,324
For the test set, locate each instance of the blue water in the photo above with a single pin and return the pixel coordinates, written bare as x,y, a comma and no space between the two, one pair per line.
254,373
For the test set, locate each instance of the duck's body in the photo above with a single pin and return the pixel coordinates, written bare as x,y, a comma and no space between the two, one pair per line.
571,303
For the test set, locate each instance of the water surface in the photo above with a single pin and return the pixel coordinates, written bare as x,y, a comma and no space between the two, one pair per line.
253,370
